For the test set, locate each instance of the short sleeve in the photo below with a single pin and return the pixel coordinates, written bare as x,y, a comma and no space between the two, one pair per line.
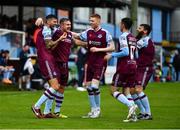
142,43
47,33
123,41
83,35
108,37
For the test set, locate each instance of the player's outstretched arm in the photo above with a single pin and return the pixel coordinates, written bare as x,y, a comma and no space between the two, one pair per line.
79,42
124,52
110,48
75,35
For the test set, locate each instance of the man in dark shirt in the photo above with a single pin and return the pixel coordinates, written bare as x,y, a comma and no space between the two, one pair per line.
5,69
24,76
176,64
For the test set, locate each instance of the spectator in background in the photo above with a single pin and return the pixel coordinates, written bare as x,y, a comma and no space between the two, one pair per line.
81,59
6,70
157,73
8,22
30,29
26,68
176,64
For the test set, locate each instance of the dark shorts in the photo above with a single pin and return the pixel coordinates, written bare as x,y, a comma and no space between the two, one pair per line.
123,80
143,75
48,69
63,73
24,72
94,72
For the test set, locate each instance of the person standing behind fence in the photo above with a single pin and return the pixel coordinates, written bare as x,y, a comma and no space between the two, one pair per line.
81,60
25,75
176,64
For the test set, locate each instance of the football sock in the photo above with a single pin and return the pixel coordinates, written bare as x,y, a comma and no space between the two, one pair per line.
138,102
145,102
91,97
120,97
129,97
96,91
48,94
59,97
48,106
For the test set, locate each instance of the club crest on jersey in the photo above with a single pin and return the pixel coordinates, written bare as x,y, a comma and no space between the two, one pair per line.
54,73
100,36
69,35
90,35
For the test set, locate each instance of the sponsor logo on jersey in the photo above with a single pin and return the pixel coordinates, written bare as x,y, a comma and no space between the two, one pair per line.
67,40
94,43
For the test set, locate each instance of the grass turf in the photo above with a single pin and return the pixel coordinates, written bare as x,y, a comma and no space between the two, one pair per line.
164,98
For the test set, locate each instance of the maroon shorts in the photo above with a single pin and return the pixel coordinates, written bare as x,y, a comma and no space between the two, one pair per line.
48,69
63,73
143,75
94,72
123,80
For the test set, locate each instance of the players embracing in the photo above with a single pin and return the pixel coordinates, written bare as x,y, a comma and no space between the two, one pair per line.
54,42
132,74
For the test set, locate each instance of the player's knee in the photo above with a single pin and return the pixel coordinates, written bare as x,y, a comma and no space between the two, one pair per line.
112,90
56,87
54,83
90,90
132,91
61,89
138,89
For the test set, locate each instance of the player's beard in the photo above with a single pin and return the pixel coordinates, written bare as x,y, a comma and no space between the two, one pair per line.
139,35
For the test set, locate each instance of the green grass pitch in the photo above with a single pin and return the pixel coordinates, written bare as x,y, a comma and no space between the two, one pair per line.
164,98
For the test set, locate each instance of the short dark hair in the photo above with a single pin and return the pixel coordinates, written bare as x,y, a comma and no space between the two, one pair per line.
51,16
127,22
6,51
62,20
25,45
96,16
147,28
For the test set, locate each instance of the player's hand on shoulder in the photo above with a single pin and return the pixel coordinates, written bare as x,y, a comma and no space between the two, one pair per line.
39,22
107,57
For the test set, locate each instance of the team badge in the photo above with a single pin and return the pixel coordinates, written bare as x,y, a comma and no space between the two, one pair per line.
100,36
90,35
54,73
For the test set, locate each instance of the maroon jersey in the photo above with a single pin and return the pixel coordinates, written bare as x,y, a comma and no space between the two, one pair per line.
45,58
127,64
146,52
62,50
42,52
99,39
